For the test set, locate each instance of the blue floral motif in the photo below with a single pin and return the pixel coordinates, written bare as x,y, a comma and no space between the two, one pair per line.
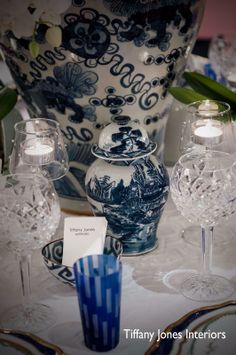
56,96
146,25
143,25
86,38
76,82
59,92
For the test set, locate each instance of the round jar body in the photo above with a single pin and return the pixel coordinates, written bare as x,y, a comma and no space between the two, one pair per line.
131,195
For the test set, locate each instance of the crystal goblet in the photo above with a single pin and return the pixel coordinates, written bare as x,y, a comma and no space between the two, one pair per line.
215,115
30,214
203,187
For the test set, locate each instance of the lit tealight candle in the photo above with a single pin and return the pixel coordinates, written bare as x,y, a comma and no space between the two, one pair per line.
38,152
207,132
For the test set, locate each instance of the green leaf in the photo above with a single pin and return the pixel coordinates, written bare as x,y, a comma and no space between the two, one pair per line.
210,88
186,96
8,99
34,49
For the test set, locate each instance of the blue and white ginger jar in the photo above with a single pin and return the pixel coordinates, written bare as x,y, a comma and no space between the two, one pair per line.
128,185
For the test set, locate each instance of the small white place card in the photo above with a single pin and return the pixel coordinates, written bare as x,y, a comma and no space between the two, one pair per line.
83,236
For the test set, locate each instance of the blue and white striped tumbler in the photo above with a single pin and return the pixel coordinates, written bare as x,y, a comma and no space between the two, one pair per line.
98,284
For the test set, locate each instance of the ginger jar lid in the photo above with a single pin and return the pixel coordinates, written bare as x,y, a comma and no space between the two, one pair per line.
123,139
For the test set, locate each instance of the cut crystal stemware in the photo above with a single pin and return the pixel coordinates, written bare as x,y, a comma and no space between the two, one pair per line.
29,215
203,187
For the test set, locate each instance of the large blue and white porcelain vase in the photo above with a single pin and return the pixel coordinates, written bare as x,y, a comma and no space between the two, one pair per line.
117,57
128,185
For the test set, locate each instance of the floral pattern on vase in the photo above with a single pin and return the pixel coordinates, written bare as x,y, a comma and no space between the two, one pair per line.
116,58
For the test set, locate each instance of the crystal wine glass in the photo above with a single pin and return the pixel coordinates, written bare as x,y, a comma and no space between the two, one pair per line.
215,115
30,214
39,148
203,186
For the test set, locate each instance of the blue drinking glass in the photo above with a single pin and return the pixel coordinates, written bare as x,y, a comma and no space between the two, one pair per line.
98,283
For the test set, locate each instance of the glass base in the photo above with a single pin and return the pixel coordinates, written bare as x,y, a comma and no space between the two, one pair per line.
222,235
207,288
175,278
33,318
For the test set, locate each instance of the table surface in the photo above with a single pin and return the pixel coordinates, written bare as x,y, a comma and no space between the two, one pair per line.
150,296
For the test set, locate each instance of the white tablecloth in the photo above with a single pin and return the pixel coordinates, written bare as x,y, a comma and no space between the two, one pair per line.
149,298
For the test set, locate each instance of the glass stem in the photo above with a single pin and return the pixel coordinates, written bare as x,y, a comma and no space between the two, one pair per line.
207,239
25,267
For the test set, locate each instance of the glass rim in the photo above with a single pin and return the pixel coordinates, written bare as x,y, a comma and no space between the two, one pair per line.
23,122
203,154
198,102
86,274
